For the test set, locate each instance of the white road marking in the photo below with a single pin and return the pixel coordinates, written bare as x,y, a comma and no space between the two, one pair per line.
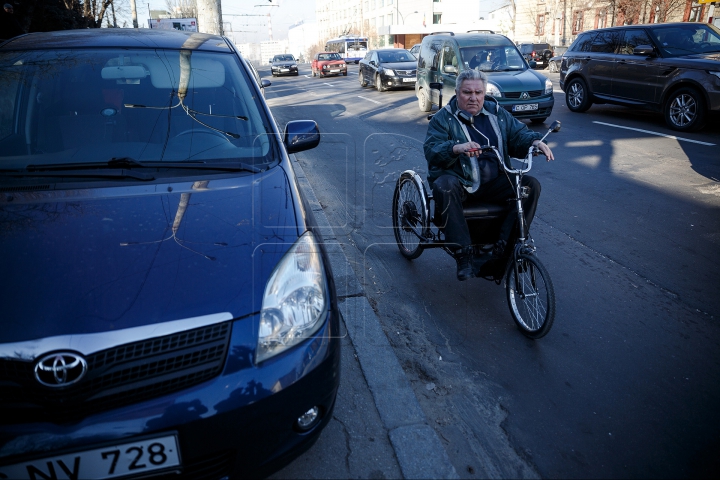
370,100
657,133
328,84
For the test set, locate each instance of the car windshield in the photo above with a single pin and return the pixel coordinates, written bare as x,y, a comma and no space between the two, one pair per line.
525,49
492,58
93,105
393,57
329,56
284,58
677,40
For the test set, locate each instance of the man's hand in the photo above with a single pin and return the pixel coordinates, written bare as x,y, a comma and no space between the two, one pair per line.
544,149
471,149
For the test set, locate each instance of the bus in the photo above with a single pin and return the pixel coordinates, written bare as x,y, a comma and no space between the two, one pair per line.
350,48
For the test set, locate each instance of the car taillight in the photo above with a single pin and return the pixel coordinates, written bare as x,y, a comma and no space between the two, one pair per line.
533,54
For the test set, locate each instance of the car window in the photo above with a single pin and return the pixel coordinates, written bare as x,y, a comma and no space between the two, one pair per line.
97,104
582,43
678,40
431,53
492,59
605,42
284,58
631,39
399,56
449,58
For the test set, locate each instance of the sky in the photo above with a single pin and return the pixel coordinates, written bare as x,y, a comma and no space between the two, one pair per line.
285,14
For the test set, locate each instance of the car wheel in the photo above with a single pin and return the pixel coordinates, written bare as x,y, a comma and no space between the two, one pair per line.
577,96
378,84
361,77
345,73
685,110
552,67
423,101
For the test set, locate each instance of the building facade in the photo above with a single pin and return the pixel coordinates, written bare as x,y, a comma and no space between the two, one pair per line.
301,37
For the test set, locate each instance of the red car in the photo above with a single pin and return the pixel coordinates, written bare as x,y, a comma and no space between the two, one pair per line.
328,63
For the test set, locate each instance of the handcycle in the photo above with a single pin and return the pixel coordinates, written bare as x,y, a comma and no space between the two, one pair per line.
530,292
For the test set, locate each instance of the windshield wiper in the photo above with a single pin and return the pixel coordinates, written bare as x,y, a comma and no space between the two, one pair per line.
127,163
112,173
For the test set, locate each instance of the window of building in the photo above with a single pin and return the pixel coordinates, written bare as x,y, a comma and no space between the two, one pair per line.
437,18
540,25
382,3
695,12
577,24
381,21
601,20
390,19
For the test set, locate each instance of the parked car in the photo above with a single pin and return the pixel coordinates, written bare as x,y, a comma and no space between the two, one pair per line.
328,63
388,68
168,307
415,50
262,83
540,53
284,64
520,90
554,62
673,68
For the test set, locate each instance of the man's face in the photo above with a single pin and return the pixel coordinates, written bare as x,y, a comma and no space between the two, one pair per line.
471,96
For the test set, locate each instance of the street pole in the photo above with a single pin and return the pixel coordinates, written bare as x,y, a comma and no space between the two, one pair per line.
134,13
209,17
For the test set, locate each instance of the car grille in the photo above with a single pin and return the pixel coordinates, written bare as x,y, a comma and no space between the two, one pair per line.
406,73
531,93
116,377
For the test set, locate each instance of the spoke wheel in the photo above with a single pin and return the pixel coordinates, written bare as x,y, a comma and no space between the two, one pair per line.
378,84
409,216
361,78
552,66
576,96
530,295
685,110
423,101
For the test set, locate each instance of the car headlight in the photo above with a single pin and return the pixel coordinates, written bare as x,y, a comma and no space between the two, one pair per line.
295,299
493,91
548,87
717,74
388,71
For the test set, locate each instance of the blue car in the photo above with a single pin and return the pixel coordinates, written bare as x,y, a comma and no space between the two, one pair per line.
168,307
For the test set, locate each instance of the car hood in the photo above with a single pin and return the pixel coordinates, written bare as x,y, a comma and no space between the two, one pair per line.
517,81
400,65
698,60
103,259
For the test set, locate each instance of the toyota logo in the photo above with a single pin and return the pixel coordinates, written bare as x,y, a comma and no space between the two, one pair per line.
524,95
60,369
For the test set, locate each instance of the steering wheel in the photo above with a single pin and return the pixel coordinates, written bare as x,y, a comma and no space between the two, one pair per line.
205,131
497,64
705,44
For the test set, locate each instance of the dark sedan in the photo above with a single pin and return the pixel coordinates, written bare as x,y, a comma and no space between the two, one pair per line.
283,65
388,68
168,308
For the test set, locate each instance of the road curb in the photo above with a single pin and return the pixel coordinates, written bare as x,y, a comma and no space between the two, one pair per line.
419,451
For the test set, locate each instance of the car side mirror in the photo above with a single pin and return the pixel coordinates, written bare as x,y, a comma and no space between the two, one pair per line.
301,135
372,62
644,50
450,69
264,83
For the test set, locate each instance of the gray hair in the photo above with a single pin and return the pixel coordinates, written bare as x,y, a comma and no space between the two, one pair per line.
470,75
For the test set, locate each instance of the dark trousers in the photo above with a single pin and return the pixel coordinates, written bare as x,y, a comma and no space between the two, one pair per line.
449,194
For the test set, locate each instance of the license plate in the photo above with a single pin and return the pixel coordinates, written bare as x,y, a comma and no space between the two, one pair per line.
408,79
525,108
284,69
134,458
334,70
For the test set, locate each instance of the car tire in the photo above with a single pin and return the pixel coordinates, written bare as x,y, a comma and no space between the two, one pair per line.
423,101
361,78
552,67
577,96
345,74
378,84
685,110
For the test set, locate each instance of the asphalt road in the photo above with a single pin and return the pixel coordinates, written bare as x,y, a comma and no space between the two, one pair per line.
625,384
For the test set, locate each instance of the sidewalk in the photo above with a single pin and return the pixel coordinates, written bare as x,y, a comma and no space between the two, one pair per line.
376,407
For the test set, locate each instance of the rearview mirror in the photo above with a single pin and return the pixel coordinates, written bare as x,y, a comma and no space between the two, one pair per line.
301,135
644,50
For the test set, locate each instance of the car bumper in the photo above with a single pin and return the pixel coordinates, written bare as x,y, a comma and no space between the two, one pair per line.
238,424
544,104
397,82
334,71
285,71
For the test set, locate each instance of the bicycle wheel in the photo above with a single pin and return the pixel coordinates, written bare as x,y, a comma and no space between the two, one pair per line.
409,215
530,295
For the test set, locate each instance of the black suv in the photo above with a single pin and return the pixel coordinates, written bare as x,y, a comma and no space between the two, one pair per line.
540,53
670,67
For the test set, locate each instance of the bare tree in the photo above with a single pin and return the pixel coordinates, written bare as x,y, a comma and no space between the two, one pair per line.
665,10
182,8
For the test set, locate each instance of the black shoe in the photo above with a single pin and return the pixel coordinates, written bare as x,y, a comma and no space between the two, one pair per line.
499,249
464,263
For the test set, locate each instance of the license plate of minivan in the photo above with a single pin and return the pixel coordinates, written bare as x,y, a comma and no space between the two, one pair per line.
525,108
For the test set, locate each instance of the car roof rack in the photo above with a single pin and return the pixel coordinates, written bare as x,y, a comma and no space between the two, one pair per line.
481,31
452,34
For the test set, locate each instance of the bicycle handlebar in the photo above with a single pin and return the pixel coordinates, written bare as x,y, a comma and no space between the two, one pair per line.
532,151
